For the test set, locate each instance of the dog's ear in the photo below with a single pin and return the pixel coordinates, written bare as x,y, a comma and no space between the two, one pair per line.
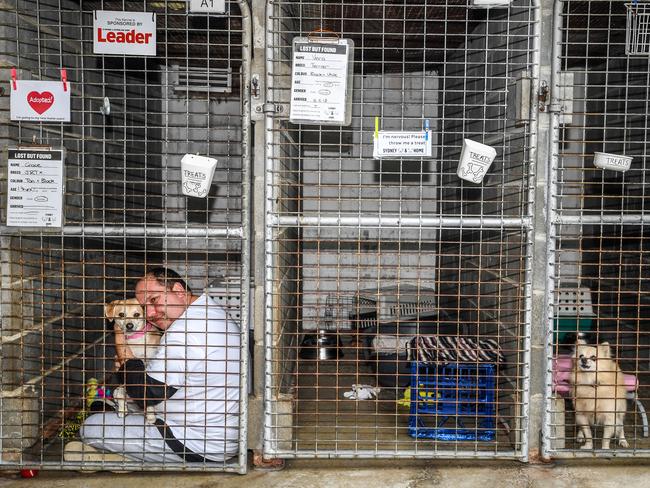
604,350
108,311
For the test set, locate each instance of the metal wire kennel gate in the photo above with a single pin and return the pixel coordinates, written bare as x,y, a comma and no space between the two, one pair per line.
598,250
376,253
132,120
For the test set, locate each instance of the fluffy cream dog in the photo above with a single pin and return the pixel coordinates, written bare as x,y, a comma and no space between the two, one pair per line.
599,394
141,337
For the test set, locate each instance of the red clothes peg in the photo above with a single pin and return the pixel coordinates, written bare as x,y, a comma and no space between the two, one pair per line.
64,79
13,79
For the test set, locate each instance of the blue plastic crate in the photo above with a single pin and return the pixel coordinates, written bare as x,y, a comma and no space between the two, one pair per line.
458,390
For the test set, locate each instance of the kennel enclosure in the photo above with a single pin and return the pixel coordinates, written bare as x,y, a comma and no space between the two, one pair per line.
132,120
597,250
372,250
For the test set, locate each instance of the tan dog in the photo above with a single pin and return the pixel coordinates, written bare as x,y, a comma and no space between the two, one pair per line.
599,394
141,337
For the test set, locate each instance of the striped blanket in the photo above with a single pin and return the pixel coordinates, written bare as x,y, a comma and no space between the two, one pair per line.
453,349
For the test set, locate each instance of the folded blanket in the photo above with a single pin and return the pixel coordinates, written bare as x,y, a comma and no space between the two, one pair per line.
453,349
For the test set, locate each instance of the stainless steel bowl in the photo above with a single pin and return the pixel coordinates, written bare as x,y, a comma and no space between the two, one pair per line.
323,345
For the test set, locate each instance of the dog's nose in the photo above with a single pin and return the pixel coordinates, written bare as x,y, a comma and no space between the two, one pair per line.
129,326
584,361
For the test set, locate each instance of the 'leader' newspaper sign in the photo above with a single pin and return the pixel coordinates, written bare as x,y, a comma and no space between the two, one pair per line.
126,33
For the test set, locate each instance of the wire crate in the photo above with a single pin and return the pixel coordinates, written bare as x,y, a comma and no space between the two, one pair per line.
400,301
574,312
637,29
462,391
227,294
344,311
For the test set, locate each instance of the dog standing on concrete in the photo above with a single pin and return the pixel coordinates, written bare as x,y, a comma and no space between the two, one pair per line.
141,337
599,394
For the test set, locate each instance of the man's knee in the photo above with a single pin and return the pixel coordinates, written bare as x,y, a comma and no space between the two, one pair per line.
94,426
88,428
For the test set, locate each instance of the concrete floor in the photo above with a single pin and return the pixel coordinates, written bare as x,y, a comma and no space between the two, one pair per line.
388,473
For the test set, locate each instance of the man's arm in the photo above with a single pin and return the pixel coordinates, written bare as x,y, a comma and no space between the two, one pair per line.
142,388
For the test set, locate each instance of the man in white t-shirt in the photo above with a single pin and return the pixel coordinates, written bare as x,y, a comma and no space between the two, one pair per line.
192,382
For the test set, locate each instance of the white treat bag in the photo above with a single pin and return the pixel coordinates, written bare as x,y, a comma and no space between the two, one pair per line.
475,160
197,172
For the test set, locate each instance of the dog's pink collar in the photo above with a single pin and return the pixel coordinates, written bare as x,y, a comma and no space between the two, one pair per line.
136,335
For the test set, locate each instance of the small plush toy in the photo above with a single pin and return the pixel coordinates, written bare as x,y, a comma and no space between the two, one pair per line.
94,392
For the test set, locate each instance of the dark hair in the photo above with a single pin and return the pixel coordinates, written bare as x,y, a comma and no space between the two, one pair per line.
167,277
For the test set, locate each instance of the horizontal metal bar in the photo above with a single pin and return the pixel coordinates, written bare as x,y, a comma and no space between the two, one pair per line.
602,219
400,222
142,231
368,454
119,466
599,454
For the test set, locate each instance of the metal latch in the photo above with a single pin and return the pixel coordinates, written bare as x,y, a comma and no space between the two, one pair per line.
542,96
255,86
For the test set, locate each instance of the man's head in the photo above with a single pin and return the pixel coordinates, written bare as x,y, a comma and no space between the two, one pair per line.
164,295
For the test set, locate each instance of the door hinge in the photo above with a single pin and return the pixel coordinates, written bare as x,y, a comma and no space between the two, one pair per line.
274,108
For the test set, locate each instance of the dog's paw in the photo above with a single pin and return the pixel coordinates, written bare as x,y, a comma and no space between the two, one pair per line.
580,437
587,445
623,443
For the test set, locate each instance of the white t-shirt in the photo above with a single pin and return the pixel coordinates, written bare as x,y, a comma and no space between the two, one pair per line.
199,355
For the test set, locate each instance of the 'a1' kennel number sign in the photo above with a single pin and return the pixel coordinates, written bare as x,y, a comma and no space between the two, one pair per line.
126,33
35,187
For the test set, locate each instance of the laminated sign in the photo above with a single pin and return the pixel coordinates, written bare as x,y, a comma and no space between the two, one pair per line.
35,187
208,6
321,82
126,33
394,144
40,101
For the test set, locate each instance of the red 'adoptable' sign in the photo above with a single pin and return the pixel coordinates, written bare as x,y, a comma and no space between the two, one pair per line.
40,101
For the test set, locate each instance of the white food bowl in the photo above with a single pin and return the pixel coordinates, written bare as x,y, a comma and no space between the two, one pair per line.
614,162
475,160
196,175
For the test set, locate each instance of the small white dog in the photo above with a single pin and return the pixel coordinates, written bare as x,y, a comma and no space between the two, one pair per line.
141,337
599,394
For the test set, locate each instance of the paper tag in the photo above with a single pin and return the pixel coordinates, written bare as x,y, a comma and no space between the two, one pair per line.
396,144
40,101
35,188
319,82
